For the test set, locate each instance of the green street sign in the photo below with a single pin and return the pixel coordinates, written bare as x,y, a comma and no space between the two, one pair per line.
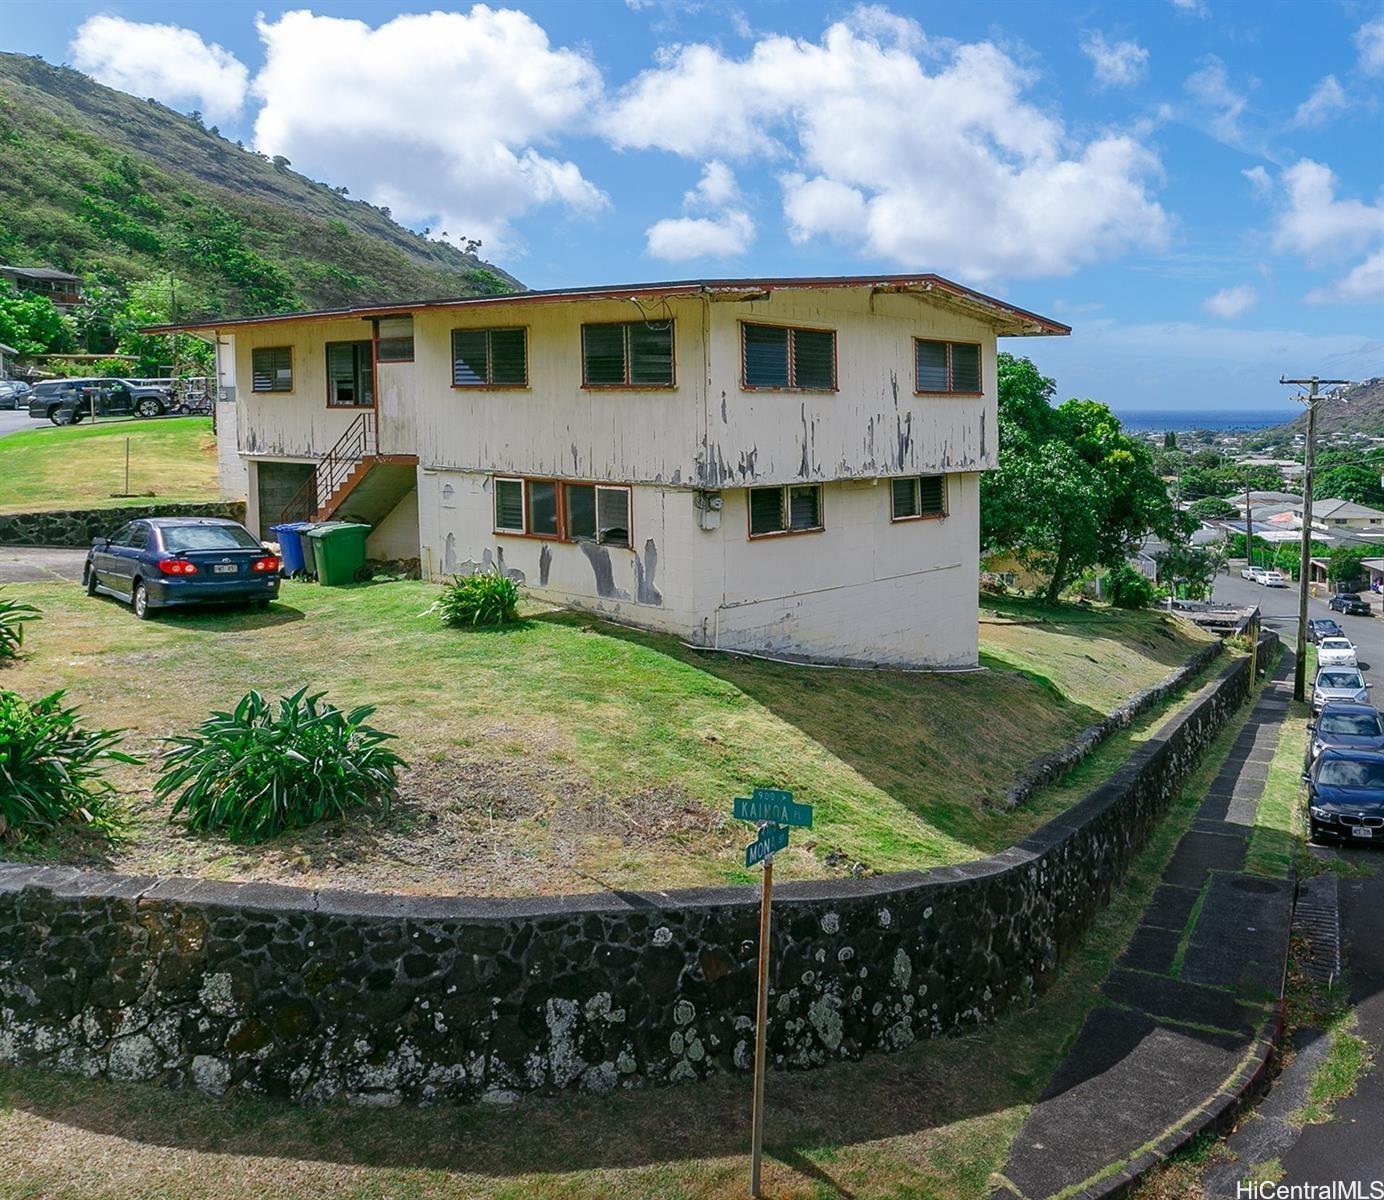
771,838
770,804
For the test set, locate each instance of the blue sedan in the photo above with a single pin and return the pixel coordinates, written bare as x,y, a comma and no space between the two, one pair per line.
163,562
1345,796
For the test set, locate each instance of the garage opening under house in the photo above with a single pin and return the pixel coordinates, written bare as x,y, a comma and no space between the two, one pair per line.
780,466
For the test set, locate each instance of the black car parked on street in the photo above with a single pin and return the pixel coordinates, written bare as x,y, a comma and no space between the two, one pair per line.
1345,796
1320,627
1349,603
69,401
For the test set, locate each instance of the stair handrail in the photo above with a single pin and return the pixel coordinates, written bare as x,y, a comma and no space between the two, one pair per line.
332,469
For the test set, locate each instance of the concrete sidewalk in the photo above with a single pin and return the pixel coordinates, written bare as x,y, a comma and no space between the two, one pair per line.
1189,1013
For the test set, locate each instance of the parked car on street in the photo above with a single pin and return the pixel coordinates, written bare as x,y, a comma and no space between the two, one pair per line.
1345,795
14,393
161,562
1349,603
1338,683
1273,578
1320,627
1256,574
1336,651
1345,727
69,401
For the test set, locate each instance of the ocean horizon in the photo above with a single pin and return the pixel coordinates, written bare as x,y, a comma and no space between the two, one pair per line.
1182,420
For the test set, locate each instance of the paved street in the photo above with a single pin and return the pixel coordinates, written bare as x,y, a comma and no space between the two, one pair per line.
12,422
1279,606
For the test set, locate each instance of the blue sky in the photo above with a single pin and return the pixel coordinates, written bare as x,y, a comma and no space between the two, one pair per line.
1196,186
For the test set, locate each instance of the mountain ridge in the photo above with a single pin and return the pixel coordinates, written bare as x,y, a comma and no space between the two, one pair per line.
117,189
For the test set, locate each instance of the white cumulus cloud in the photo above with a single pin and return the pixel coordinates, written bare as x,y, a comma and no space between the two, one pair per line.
442,117
1327,99
1116,64
1363,284
1231,302
169,63
726,230
924,154
1369,42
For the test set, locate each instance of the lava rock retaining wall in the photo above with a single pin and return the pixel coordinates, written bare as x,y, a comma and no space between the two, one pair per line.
389,999
77,527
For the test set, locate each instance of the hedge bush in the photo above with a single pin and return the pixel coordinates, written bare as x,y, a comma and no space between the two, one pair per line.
485,598
51,765
265,768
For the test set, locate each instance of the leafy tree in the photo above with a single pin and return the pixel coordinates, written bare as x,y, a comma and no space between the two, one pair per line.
1127,588
1343,563
1073,491
1350,481
1170,440
150,303
1195,567
1208,460
33,325
1212,508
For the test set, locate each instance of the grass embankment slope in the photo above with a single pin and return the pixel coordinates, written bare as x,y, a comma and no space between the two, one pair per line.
109,185
934,1120
567,755
83,466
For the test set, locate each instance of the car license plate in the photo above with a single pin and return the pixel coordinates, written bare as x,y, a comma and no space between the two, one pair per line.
225,569
1361,831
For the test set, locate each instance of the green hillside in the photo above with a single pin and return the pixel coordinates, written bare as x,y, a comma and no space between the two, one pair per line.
120,190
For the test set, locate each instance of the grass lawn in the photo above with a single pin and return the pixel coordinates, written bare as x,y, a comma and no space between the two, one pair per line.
83,466
567,755
933,1121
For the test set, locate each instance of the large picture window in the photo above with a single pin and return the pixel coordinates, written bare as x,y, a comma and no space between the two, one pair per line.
793,509
571,512
484,358
627,354
775,356
271,369
350,374
946,367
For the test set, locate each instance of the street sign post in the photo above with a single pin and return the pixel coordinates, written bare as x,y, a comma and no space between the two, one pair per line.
773,810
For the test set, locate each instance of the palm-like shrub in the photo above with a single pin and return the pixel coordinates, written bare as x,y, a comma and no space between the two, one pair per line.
485,598
13,617
268,767
51,765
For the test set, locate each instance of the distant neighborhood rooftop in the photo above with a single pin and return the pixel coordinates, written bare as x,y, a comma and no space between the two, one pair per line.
1008,320
1344,509
39,273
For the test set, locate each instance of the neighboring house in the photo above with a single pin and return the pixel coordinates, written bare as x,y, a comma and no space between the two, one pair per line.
1258,500
7,356
783,466
1343,514
63,289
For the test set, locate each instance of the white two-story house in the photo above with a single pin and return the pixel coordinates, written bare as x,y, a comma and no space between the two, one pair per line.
781,466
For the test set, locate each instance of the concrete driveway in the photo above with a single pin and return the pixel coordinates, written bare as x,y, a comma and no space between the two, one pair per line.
23,564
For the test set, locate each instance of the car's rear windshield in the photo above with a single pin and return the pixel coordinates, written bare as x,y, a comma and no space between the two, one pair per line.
1340,679
181,538
1353,724
1352,773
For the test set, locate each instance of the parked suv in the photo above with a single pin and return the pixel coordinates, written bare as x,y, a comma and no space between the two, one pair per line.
68,401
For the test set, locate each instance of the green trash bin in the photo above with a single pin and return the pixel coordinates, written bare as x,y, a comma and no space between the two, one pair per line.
338,550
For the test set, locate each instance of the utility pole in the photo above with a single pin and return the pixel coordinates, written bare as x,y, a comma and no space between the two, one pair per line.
1249,529
1309,457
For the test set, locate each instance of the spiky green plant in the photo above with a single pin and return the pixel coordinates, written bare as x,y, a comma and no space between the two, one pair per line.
51,765
266,767
485,598
13,617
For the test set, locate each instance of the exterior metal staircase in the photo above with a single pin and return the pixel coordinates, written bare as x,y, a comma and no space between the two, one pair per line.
354,480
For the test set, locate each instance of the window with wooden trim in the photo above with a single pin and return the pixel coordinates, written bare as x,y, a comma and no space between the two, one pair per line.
917,496
394,339
350,374
796,508
778,356
571,512
271,369
484,358
946,366
627,354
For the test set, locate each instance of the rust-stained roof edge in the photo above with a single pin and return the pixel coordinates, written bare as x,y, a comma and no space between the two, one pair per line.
1022,322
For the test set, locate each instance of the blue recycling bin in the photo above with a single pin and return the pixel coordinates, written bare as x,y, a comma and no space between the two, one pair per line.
290,537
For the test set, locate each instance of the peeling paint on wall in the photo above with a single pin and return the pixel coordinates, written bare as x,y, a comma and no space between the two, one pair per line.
599,558
545,565
747,462
905,435
449,554
645,587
